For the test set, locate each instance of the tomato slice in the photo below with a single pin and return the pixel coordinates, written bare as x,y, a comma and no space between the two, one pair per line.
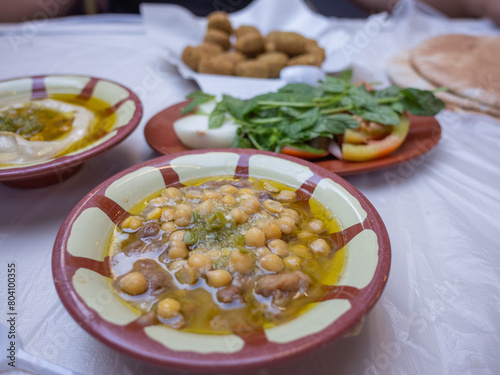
292,151
376,149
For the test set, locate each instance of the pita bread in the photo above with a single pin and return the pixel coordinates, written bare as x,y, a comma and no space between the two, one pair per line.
468,65
401,73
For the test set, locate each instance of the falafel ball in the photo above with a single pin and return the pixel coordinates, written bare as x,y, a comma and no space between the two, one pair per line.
312,48
192,55
252,68
217,64
250,44
284,41
305,59
218,37
218,20
245,29
275,62
234,57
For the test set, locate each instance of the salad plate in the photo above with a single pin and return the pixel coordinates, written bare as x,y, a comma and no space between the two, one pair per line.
423,135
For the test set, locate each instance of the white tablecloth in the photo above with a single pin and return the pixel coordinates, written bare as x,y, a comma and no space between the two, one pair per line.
439,313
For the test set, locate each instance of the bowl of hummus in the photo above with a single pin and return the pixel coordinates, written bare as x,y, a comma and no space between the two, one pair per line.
50,125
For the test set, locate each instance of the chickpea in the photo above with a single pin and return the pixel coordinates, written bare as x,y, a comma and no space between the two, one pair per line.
168,308
292,262
178,250
262,251
286,224
278,247
255,237
272,206
239,216
186,275
229,200
206,207
168,228
219,278
154,214
228,189
287,196
213,253
132,222
182,218
242,263
200,262
178,235
301,251
305,237
210,194
158,202
185,207
270,188
250,205
246,191
316,226
176,265
272,263
271,230
194,195
319,247
290,213
167,214
134,283
172,194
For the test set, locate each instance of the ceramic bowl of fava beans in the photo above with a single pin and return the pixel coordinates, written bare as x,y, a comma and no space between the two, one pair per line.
224,259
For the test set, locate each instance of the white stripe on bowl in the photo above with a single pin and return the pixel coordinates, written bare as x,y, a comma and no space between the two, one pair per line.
129,190
361,260
95,290
210,164
15,91
343,205
313,321
124,114
110,92
89,234
185,341
65,84
272,168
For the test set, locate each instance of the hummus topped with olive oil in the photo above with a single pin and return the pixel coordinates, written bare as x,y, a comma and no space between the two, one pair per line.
40,130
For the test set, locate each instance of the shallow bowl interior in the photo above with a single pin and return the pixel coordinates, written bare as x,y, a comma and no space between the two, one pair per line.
81,267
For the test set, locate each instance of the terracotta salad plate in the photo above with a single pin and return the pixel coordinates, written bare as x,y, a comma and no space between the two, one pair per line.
424,134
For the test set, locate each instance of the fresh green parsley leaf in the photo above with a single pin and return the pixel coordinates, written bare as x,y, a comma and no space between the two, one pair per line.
217,117
198,97
382,114
421,102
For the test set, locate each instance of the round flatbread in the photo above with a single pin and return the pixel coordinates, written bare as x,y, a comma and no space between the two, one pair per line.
468,65
401,73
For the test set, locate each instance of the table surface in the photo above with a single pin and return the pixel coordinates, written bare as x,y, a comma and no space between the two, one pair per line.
439,313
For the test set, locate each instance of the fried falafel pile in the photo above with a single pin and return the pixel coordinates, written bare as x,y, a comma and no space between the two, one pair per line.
251,54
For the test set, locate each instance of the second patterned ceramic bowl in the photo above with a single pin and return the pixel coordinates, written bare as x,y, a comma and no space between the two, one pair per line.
115,100
81,267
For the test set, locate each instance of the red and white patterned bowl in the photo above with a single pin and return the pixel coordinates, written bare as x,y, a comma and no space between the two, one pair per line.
81,268
122,101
